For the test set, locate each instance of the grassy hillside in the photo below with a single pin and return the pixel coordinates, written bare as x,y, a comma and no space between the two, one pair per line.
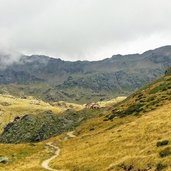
31,120
12,107
125,143
107,146
24,119
148,98
135,135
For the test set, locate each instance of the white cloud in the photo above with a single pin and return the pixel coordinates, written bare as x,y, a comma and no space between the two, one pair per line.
85,29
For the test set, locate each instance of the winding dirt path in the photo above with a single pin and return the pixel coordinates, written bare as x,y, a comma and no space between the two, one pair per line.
45,163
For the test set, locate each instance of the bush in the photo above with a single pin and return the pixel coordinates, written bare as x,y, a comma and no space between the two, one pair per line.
164,153
160,167
162,87
162,143
134,109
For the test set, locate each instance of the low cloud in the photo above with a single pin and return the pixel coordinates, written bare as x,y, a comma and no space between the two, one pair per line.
8,56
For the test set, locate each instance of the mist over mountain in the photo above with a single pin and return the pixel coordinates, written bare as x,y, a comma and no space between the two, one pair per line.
54,79
8,57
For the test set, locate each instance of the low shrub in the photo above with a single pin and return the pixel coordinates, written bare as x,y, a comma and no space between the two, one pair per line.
160,167
164,153
162,143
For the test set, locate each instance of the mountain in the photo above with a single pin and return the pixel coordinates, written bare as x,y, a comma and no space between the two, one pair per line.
133,135
53,79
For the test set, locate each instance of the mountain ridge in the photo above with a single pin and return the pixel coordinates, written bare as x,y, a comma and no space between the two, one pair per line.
96,80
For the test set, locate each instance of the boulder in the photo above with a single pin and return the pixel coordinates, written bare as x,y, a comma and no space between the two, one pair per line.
4,160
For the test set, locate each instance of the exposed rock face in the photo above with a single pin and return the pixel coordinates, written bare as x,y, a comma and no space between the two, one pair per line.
4,160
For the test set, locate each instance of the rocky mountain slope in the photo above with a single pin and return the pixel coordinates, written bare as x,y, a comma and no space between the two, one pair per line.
27,119
54,79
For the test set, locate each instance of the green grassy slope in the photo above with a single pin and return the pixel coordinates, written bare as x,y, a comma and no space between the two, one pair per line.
148,98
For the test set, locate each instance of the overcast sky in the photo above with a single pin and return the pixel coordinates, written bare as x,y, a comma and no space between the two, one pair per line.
84,29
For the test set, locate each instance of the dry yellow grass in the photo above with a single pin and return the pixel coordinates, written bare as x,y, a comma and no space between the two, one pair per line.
22,157
27,157
99,146
128,141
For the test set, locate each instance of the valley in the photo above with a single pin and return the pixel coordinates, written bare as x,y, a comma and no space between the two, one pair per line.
133,134
85,85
